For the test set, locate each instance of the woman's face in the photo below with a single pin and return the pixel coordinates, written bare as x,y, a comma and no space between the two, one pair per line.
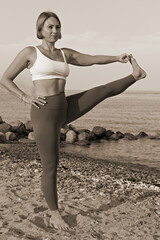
51,30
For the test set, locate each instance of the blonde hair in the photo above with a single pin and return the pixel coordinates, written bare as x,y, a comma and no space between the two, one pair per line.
41,20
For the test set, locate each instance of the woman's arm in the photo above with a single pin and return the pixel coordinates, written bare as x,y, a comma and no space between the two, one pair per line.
22,61
80,59
18,65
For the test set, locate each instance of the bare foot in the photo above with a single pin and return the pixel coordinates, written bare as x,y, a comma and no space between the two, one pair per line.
138,72
57,221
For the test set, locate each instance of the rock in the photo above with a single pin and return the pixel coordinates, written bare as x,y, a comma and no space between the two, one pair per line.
117,136
120,134
109,133
10,136
130,136
63,137
83,136
103,140
31,136
71,136
99,131
142,135
28,125
2,137
83,142
5,127
65,129
91,136
104,137
71,127
18,127
83,130
1,121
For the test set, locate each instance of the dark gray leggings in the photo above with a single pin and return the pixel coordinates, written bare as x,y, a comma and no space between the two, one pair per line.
60,110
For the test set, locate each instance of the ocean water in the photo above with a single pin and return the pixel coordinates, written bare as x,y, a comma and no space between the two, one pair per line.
129,112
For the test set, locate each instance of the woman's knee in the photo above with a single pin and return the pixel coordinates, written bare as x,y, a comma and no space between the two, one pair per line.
48,177
102,91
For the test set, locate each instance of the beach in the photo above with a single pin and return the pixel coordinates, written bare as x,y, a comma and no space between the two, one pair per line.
99,199
108,169
109,190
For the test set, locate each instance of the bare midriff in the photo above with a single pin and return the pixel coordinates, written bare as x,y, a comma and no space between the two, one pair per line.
48,87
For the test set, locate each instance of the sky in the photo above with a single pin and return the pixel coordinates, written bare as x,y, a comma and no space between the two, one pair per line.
107,27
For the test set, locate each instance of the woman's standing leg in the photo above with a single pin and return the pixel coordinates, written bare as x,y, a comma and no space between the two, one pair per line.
81,103
47,123
47,135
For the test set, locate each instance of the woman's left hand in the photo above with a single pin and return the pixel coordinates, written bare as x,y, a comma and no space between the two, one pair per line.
124,58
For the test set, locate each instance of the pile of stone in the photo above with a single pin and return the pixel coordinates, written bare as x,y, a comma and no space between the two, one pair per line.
16,131
70,134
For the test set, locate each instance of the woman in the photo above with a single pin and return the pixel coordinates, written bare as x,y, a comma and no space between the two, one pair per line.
50,108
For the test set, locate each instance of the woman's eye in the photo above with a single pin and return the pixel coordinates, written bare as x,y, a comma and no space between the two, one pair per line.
57,27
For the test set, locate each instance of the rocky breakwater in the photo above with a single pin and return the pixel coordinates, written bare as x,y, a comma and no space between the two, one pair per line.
70,134
19,131
14,131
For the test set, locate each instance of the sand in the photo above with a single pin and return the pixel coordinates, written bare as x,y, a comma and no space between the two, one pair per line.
98,199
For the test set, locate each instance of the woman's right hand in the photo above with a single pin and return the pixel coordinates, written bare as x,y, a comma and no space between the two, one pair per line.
35,101
123,58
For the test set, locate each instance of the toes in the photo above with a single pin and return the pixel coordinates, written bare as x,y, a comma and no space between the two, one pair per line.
66,227
59,227
130,58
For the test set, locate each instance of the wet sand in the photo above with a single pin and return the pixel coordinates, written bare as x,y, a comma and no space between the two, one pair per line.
98,199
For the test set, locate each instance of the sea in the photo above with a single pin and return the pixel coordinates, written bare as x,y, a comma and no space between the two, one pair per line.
130,111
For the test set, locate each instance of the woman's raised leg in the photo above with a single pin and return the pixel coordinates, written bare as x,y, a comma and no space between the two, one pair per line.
81,103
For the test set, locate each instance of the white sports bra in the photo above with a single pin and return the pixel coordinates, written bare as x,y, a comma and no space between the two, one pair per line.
46,68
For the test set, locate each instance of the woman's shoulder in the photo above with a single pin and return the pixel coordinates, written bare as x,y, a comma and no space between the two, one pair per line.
29,49
68,52
27,52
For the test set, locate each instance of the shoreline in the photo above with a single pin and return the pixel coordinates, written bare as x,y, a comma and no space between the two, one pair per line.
99,199
116,162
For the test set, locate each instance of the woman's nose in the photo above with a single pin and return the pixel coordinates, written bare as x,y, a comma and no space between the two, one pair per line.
54,29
